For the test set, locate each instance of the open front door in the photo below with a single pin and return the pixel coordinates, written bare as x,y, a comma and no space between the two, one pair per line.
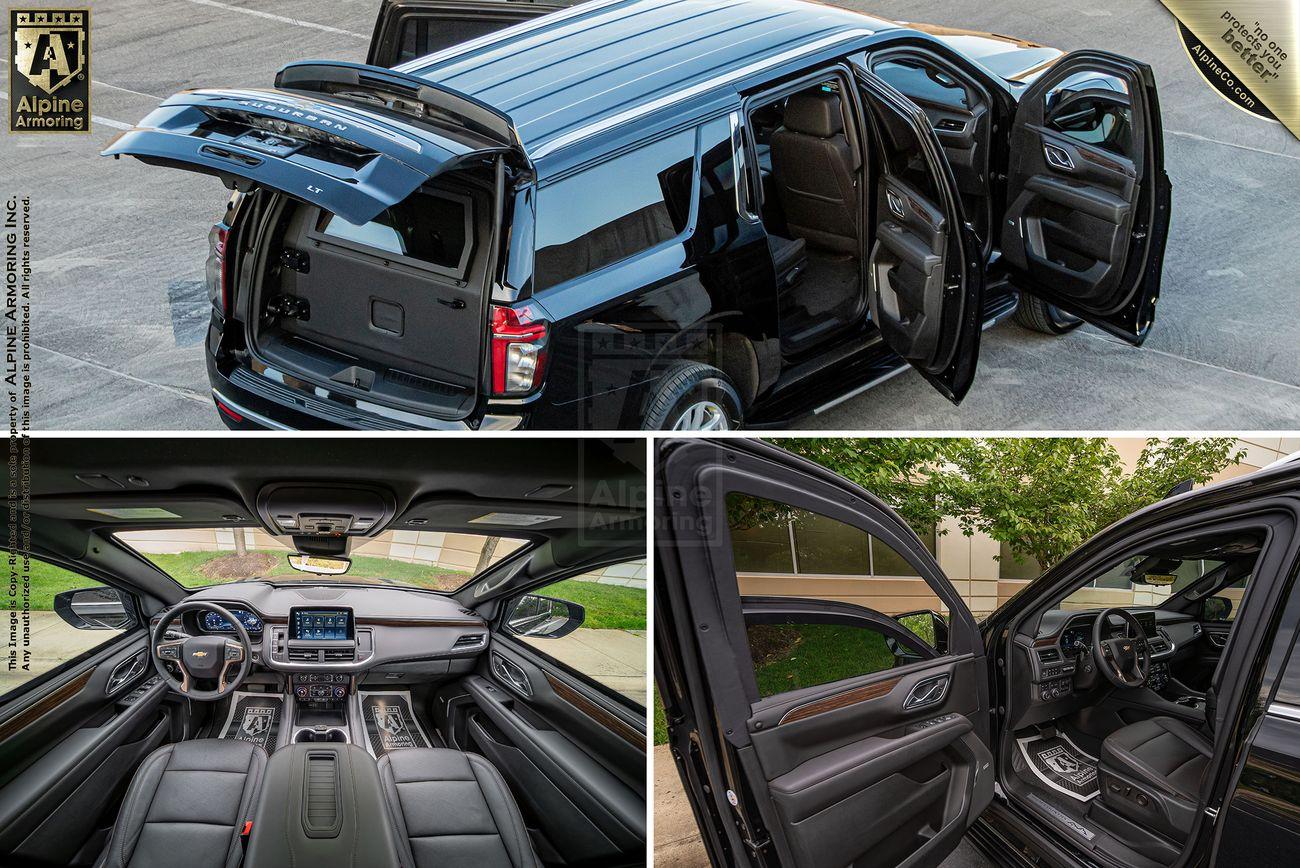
811,725
925,278
1087,195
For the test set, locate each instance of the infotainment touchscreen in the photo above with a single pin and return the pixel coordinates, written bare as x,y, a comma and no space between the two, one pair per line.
1148,622
320,624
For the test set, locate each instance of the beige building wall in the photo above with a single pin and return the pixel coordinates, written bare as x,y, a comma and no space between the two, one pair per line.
973,565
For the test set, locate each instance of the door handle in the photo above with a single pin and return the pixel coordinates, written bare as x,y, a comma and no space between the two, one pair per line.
1058,157
895,204
1216,640
512,676
928,692
125,672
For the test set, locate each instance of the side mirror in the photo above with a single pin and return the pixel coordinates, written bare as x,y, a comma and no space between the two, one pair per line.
319,565
93,609
1216,609
541,617
928,626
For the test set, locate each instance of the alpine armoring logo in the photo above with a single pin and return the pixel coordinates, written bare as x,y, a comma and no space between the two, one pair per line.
49,83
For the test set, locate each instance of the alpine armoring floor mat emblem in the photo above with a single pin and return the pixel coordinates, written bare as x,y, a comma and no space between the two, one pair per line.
390,722
1059,763
255,718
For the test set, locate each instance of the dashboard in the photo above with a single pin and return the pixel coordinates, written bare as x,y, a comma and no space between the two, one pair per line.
211,622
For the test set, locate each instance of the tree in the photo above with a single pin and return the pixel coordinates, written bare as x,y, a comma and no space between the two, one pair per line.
1041,496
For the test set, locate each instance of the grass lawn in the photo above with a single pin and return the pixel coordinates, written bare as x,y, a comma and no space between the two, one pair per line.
48,580
609,607
184,567
793,656
661,720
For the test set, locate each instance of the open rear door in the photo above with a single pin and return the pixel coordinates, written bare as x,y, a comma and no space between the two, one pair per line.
811,731
925,278
352,139
407,29
1087,194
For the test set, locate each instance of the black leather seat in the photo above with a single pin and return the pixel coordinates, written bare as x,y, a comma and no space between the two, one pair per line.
187,805
453,809
815,170
1151,772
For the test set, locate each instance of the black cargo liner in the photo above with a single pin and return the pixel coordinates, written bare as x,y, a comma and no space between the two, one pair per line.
379,327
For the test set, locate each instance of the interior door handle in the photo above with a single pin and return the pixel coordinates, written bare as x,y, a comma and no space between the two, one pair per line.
1058,157
1216,640
895,204
512,676
931,691
125,672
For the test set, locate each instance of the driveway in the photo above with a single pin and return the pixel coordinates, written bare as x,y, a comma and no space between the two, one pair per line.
120,310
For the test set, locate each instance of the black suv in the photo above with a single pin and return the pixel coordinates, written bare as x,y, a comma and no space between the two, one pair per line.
643,213
1136,705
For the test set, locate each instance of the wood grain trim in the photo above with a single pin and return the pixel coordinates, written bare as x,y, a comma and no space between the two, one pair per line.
595,712
44,705
1104,162
839,700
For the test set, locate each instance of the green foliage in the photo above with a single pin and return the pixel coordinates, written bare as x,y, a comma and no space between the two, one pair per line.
1041,496
661,720
794,656
609,607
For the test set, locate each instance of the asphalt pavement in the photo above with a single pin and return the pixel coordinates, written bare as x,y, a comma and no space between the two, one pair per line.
120,310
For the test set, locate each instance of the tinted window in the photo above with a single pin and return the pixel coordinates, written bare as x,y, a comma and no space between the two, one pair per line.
101,614
902,152
1092,108
923,82
717,223
783,551
430,227
614,210
610,646
424,35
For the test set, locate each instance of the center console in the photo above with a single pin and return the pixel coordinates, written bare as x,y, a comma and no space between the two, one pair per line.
322,805
320,698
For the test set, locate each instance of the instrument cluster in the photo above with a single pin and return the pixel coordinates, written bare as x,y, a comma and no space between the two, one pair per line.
214,623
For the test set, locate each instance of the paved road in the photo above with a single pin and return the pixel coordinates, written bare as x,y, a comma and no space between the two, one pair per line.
120,309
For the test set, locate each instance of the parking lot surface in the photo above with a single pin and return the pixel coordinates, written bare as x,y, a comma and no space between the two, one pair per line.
120,311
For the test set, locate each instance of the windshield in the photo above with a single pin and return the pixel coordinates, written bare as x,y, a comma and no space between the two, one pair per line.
433,560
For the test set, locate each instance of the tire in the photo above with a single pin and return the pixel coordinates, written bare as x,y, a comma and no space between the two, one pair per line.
1037,315
693,396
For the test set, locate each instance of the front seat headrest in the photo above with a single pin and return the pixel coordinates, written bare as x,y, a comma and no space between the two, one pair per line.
814,113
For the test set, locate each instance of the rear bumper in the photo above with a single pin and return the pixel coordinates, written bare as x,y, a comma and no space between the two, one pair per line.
248,401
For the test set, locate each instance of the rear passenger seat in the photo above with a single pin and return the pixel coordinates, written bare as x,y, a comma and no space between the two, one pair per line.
453,809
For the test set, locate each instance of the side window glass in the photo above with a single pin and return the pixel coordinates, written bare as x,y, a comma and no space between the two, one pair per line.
593,624
923,82
718,212
71,617
902,152
1092,108
614,210
1222,608
784,551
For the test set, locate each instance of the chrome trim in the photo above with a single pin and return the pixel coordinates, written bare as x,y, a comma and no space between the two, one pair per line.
1058,157
550,145
1290,712
249,414
928,692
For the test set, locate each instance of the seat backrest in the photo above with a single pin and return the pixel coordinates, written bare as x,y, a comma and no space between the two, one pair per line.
815,169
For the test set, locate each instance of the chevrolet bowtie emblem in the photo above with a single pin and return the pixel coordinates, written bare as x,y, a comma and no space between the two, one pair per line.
200,653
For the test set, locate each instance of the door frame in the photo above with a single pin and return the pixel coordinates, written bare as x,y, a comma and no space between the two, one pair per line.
393,13
715,747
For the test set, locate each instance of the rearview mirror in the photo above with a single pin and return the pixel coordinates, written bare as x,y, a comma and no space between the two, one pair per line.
321,566
541,617
93,609
1159,580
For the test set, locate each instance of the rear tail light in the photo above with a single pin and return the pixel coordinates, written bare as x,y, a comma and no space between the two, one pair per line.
218,288
518,349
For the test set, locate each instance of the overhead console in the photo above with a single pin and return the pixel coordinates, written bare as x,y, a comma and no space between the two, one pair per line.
325,512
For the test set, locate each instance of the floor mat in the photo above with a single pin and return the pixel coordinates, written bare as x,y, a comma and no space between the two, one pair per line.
255,718
1059,763
390,723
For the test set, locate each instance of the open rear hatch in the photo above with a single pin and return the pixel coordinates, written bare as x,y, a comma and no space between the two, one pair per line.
373,280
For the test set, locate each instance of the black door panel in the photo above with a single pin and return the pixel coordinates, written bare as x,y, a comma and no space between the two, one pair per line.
1087,194
574,759
925,278
70,748
406,29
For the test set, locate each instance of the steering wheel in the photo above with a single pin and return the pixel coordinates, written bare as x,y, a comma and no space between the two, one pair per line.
206,657
1126,661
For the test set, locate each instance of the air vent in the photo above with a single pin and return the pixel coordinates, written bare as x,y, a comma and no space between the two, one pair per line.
333,655
320,803
1049,655
471,640
306,655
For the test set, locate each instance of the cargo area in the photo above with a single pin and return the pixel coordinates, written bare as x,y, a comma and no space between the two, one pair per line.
392,312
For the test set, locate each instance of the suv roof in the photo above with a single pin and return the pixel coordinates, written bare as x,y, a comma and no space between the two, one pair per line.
577,72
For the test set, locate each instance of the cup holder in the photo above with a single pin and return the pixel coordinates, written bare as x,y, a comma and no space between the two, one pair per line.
320,735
